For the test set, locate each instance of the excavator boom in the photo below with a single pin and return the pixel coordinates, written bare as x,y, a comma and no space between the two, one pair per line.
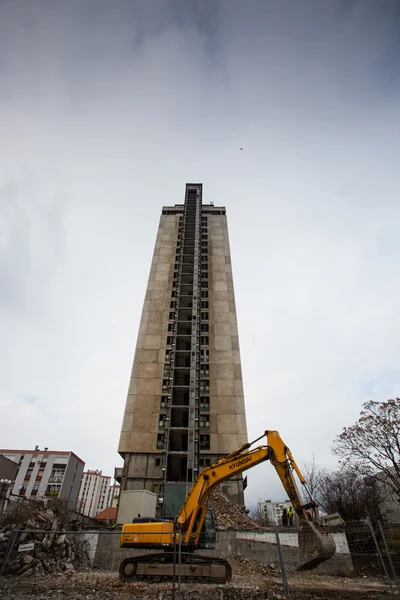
315,545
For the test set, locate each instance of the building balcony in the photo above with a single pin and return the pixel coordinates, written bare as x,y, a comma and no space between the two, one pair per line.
118,474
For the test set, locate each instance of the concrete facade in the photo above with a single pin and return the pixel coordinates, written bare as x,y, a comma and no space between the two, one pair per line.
185,403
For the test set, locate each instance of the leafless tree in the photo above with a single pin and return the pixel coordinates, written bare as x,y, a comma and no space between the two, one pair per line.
371,447
350,494
345,491
260,518
314,476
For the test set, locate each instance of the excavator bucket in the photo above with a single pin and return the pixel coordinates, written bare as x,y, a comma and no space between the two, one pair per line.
315,546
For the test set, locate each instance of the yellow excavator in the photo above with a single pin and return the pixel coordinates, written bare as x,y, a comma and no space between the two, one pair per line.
194,526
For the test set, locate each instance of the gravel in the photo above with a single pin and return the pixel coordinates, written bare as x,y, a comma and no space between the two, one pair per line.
249,582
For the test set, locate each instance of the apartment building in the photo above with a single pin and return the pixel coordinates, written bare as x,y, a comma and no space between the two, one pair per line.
45,473
94,493
271,512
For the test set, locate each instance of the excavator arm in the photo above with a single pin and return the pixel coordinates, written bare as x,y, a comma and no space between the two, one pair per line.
225,468
314,544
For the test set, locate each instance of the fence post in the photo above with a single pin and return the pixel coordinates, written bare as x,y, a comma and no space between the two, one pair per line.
381,559
10,546
282,564
389,557
179,563
174,566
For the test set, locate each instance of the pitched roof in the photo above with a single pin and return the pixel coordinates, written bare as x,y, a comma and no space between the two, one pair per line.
103,515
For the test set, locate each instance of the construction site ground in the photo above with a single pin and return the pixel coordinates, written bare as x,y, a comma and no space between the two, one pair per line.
95,585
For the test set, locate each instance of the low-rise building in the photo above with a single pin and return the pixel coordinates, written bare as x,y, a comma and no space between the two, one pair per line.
45,473
271,512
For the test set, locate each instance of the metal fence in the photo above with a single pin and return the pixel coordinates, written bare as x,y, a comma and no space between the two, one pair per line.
366,548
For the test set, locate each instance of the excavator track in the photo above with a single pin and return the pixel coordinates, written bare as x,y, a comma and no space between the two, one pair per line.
160,567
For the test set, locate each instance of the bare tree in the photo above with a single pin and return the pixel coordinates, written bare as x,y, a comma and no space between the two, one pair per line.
314,476
345,491
371,447
260,517
350,494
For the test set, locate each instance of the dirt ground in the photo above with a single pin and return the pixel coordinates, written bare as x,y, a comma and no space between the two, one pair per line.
95,585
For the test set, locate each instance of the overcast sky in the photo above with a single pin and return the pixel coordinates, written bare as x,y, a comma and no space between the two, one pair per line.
107,109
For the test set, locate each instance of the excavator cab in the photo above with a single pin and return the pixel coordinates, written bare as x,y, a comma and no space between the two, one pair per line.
208,535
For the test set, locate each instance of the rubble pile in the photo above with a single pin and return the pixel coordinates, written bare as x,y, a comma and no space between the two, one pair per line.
253,567
45,548
228,514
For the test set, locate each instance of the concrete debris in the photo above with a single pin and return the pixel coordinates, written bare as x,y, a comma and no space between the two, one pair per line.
95,585
228,514
253,567
43,550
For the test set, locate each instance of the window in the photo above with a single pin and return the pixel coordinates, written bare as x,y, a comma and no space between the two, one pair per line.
204,402
204,420
158,462
204,442
204,341
205,385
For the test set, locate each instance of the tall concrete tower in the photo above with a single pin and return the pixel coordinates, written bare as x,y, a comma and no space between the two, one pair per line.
185,405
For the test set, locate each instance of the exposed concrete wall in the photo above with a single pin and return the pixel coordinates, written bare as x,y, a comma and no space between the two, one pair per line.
228,428
227,413
228,421
140,424
231,543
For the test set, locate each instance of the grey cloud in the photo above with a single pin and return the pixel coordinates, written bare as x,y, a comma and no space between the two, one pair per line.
108,109
33,241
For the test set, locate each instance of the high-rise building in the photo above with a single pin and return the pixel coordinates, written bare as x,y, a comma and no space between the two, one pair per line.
46,473
93,493
185,404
